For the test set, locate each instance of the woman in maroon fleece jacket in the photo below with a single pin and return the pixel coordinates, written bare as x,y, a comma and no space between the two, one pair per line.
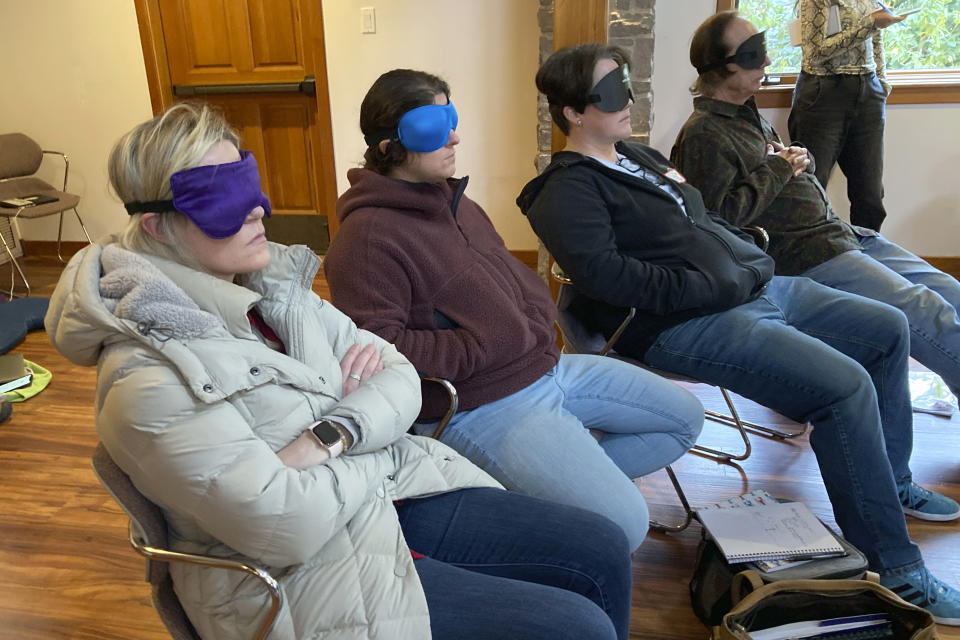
419,263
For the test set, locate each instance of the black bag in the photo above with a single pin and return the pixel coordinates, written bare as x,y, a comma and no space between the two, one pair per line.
710,586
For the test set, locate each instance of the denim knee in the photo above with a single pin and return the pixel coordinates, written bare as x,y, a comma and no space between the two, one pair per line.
631,525
574,617
691,414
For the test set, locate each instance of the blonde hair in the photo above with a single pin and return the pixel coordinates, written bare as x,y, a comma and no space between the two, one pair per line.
143,160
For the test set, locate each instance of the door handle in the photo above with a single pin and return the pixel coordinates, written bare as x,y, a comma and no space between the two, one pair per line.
307,86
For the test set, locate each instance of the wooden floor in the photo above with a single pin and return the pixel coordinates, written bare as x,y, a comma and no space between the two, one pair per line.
68,571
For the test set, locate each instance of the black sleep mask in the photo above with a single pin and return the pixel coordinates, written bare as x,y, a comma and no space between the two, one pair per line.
749,55
613,91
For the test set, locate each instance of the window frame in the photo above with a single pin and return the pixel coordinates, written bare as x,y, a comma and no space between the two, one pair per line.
909,87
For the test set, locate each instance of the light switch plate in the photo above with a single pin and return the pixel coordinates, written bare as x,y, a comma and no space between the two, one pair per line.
368,20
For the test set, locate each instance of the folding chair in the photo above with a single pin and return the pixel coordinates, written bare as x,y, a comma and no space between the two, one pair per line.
24,196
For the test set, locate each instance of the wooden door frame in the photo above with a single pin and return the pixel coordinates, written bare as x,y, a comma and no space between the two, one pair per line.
576,22
161,90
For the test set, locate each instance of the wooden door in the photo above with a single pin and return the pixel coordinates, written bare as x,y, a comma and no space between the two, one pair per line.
261,62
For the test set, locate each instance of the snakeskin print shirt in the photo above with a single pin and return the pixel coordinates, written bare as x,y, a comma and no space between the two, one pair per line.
857,48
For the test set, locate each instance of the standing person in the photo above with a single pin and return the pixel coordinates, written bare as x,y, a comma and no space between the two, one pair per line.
733,156
628,230
840,99
272,431
419,263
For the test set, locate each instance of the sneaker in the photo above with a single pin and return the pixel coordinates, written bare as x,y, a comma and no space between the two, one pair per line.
927,505
920,588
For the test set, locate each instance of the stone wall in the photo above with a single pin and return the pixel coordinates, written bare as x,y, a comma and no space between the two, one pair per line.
630,25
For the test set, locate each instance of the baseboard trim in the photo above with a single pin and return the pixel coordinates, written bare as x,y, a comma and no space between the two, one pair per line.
947,264
527,256
49,248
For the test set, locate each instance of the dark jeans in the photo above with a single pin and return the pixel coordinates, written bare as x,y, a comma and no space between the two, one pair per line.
840,120
834,359
503,565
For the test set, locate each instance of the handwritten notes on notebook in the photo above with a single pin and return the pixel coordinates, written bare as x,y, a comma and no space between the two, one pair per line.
781,530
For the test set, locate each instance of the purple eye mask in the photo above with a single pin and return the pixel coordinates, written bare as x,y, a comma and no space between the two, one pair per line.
217,198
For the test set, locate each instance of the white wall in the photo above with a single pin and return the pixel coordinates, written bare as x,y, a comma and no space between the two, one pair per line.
486,51
922,142
77,70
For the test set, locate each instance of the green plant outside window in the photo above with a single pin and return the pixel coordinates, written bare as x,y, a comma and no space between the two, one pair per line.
926,41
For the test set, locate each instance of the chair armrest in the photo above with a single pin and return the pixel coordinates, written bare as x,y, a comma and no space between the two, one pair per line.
165,555
759,235
452,409
556,272
66,165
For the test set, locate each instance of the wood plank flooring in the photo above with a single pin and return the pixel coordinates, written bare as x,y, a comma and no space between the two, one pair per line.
68,571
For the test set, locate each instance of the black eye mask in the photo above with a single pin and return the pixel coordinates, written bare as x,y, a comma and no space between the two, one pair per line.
613,91
749,55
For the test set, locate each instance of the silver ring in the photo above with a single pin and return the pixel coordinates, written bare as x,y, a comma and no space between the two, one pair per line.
355,377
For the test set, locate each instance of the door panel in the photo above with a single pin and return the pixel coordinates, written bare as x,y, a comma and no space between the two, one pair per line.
274,34
207,46
288,152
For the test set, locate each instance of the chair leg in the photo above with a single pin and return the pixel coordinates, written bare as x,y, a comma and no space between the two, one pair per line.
733,420
674,528
14,265
60,232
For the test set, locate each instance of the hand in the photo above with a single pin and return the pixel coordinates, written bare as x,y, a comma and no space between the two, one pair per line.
303,453
358,365
796,156
883,18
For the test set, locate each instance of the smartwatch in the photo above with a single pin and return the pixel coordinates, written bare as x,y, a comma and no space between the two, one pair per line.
328,436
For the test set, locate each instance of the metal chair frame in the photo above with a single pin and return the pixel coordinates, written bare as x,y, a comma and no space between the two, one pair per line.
132,501
14,219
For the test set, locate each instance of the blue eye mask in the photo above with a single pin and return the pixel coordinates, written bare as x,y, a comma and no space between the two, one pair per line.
217,198
427,128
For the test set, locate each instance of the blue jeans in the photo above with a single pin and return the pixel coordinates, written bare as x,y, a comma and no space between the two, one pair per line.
536,441
504,565
836,360
840,119
929,298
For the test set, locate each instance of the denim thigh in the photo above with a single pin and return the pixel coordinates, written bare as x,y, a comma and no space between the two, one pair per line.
543,556
827,357
537,441
928,297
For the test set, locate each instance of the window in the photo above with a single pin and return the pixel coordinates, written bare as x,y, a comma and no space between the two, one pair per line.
922,53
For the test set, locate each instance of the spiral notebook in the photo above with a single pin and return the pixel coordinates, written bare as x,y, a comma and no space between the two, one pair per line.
785,530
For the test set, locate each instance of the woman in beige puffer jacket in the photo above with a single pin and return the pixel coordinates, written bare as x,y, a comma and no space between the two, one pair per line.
214,358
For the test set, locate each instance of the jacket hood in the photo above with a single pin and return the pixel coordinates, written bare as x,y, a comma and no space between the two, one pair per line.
108,295
531,190
369,189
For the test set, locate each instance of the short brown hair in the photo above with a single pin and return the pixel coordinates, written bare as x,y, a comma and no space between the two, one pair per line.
708,47
566,77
